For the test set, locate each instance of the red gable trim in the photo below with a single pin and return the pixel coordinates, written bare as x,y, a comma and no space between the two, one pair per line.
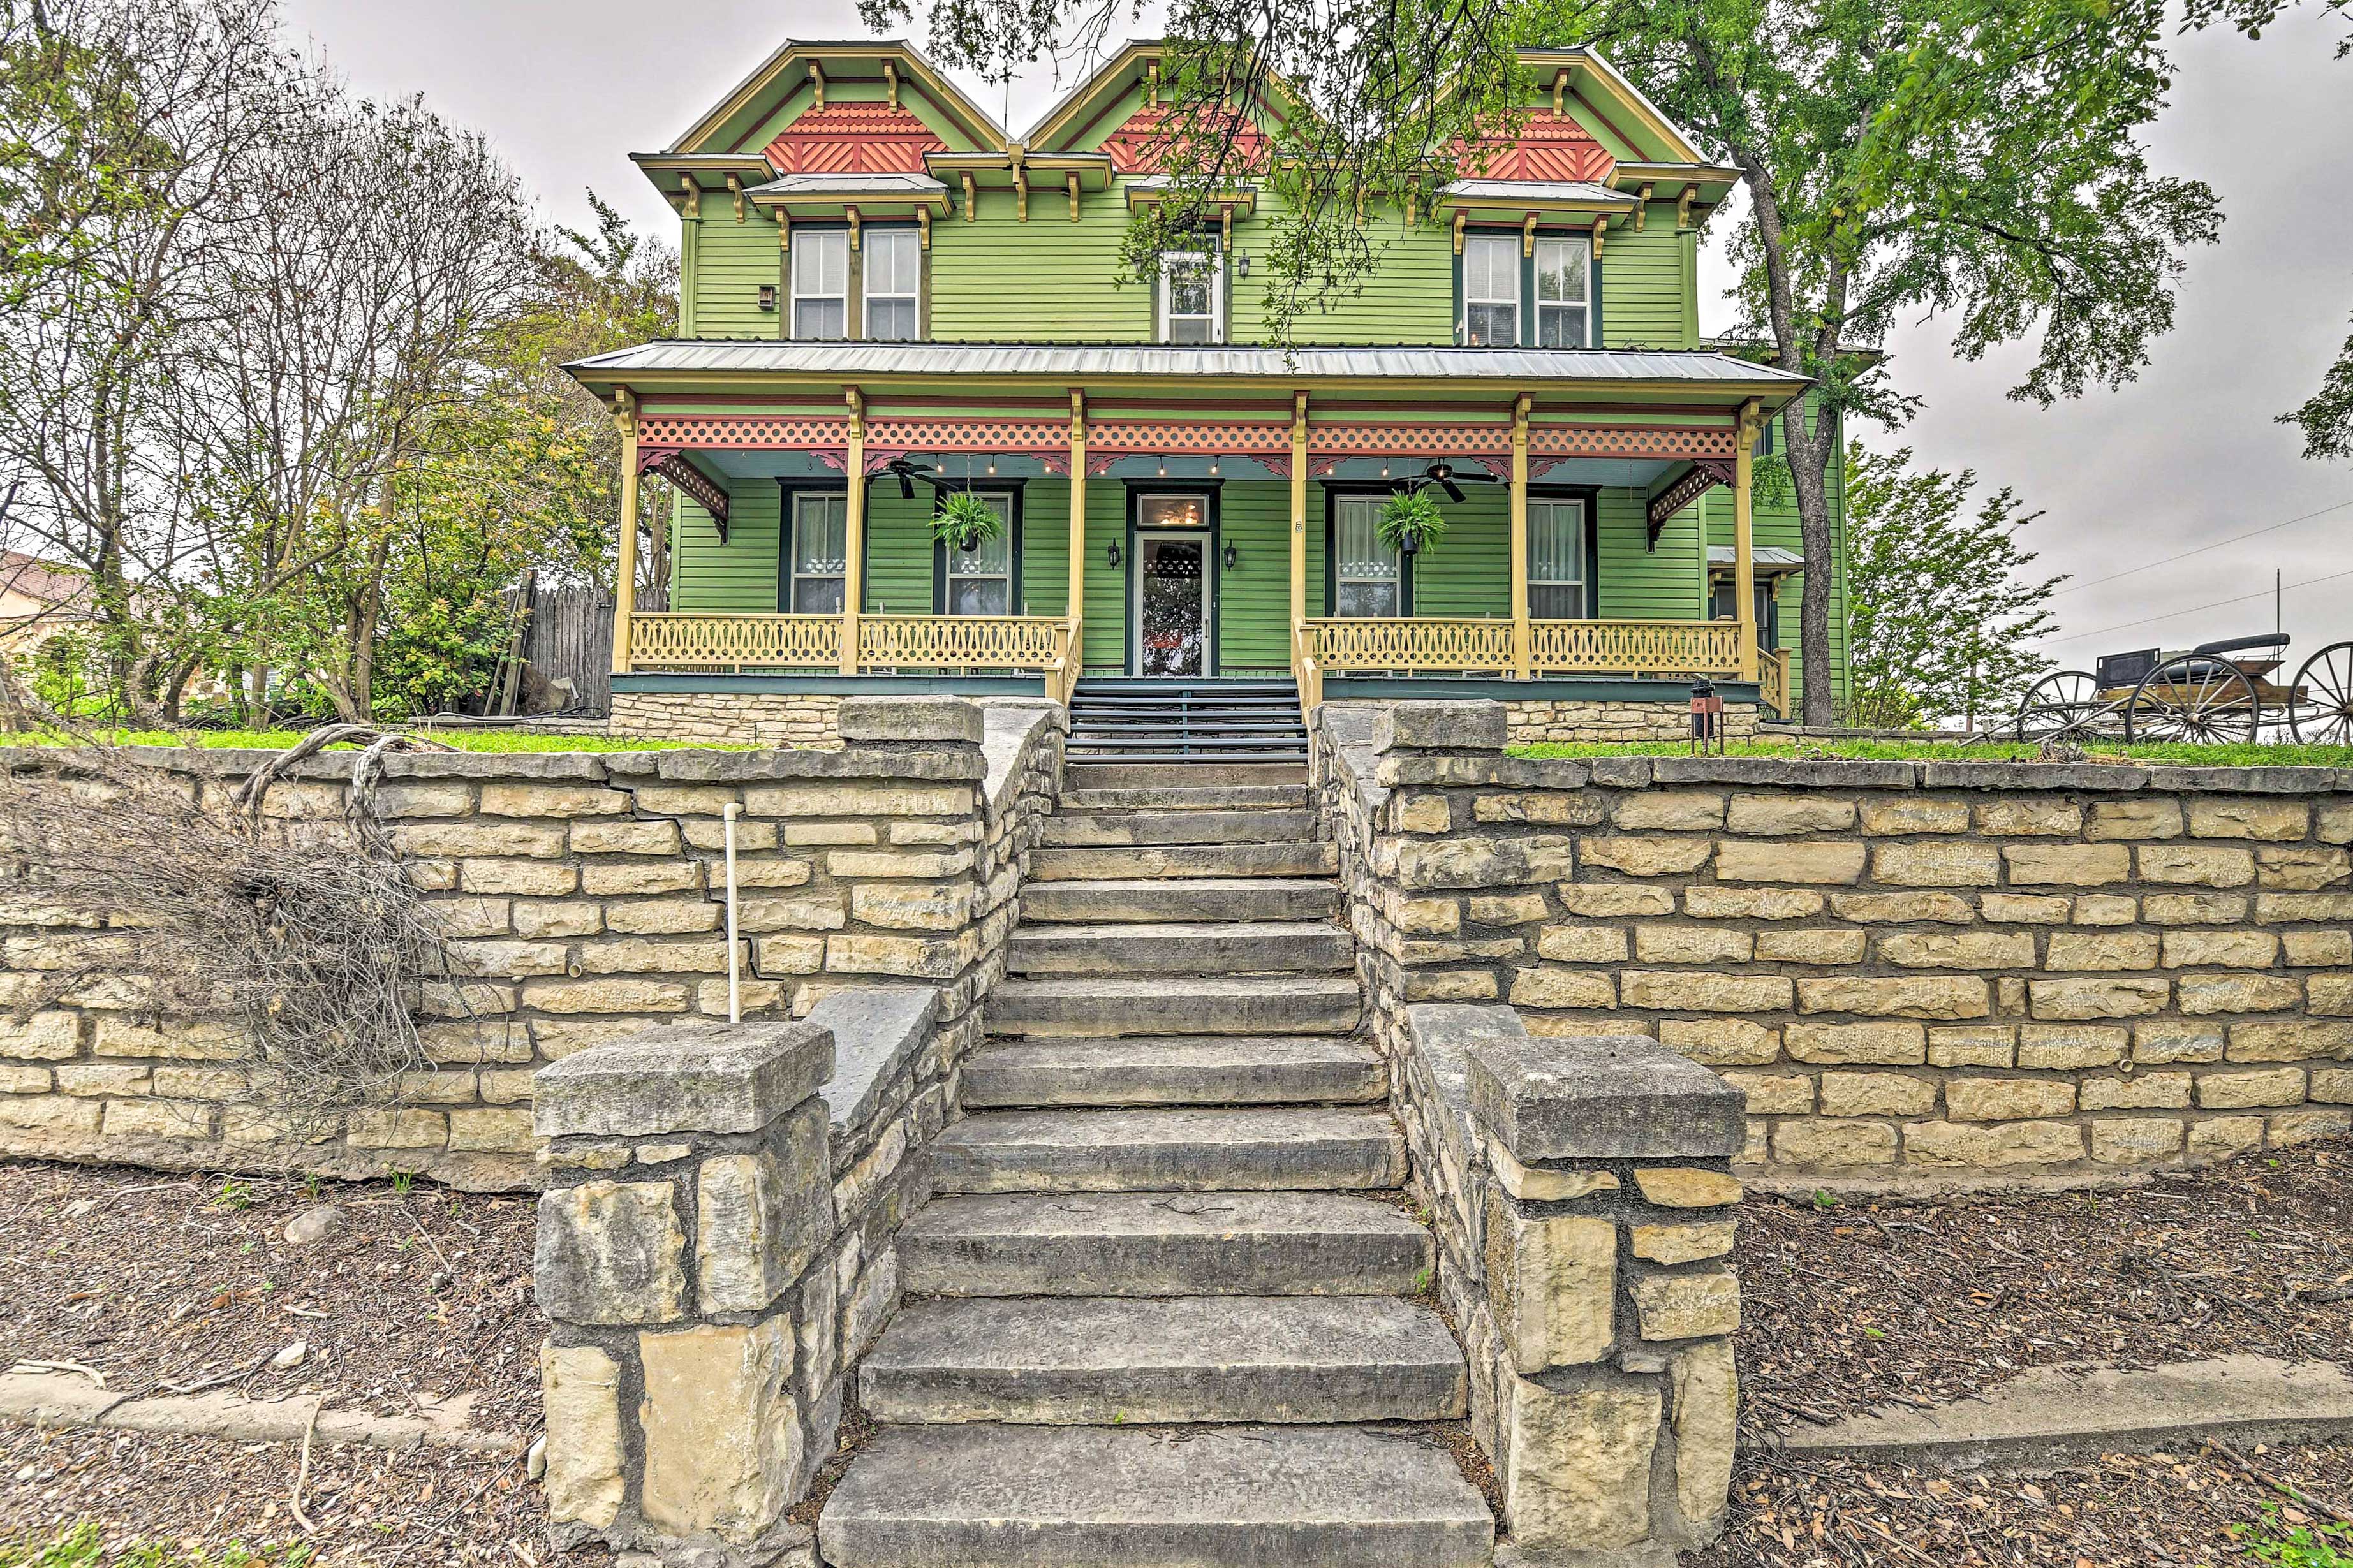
1549,147
854,139
1138,147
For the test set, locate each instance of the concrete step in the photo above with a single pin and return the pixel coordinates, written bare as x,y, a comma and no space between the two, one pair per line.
1197,1151
1220,1069
1298,859
1200,775
1187,798
1158,825
1080,1361
1241,947
1088,1007
1164,1244
1206,899
1096,1497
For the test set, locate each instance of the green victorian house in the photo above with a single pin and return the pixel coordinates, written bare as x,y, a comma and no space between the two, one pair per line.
886,301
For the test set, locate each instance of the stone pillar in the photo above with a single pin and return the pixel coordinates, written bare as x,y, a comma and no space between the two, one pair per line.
690,1189
1586,1264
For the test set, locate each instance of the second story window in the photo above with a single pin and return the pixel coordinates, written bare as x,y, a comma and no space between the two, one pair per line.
894,274
1564,293
1490,288
1191,304
821,284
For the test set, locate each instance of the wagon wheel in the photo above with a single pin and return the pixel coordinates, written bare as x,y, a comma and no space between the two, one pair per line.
2197,699
2320,712
2066,702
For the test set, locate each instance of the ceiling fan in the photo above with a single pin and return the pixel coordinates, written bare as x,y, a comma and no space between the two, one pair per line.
908,472
1445,475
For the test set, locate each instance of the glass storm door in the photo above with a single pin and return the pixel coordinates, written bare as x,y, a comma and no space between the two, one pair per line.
1171,605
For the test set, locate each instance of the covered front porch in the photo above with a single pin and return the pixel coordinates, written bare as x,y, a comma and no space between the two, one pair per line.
1198,515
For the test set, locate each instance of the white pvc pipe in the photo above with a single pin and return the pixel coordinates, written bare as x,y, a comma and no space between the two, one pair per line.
734,944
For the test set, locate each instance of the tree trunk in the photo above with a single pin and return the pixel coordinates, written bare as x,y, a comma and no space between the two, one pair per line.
1810,475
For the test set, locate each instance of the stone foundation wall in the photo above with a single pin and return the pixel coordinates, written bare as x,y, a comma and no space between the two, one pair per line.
1530,719
1947,973
728,717
587,891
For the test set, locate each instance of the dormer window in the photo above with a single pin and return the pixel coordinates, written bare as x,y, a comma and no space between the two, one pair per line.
1192,298
1564,293
821,284
1491,290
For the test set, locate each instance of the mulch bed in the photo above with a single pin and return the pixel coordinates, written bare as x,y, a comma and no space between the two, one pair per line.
1858,1305
2125,1510
421,1294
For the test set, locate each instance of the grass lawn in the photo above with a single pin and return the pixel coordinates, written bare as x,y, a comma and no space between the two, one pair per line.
2277,756
463,740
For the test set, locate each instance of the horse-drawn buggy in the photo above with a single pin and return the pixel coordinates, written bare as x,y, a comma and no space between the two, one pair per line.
2215,694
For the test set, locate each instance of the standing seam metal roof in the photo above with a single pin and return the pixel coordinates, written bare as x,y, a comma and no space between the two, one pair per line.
847,358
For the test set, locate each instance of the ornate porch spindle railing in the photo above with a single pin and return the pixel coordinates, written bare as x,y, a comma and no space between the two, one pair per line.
960,643
1773,681
734,642
1469,646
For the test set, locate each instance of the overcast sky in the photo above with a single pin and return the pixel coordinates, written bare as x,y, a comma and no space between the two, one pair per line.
2186,457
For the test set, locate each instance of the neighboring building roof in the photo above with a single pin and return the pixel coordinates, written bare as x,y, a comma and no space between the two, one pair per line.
34,578
1417,362
1767,558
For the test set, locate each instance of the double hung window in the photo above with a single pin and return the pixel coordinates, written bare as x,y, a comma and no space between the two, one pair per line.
980,580
1192,303
1491,290
820,540
821,284
1367,578
1564,293
1559,576
894,281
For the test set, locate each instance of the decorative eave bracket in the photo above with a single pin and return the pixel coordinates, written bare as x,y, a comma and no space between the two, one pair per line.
1703,476
691,479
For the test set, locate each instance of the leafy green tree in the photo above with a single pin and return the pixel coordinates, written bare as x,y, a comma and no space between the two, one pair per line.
1978,160
1941,604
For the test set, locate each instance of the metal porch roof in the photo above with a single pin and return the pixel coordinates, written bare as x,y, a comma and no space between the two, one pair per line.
1767,558
1698,367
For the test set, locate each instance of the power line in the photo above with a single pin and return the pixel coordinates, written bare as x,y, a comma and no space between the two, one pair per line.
2173,614
2202,549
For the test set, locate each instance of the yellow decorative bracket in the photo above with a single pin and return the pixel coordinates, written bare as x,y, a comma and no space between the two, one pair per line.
971,198
1601,230
735,191
784,230
1528,235
1684,206
817,82
852,214
891,81
1152,74
1074,197
1645,210
922,228
1559,92
625,410
1226,225
1460,220
1020,183
856,403
690,202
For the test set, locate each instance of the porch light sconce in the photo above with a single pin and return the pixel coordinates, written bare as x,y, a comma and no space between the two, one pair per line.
1114,552
767,296
1233,557
1241,265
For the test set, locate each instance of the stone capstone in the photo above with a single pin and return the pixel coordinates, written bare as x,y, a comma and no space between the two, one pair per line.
1602,1097
711,1076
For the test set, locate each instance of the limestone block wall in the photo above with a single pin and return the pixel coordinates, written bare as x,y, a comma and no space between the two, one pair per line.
1948,973
1586,1216
586,890
1538,718
735,718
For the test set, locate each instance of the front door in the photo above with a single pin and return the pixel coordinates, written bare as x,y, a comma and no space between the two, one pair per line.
1169,592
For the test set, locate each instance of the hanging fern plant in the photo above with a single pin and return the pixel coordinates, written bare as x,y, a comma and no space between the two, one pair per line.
1411,523
966,522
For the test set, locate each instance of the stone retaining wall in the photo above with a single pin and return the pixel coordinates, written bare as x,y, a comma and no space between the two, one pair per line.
728,717
1531,720
588,890
1586,1218
1956,972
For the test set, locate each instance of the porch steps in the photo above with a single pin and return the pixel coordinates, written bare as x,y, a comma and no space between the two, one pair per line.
1166,1310
1163,722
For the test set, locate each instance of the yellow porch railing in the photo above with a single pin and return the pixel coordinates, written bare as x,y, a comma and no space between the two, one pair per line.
962,645
1773,680
1422,645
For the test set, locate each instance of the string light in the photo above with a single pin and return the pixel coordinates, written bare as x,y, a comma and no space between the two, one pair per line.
1164,467
992,465
1213,467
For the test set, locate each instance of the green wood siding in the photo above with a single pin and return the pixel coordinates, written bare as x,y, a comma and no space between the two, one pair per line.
731,261
1638,582
898,550
1254,598
996,279
1044,586
1644,284
739,576
1106,606
1469,573
1407,298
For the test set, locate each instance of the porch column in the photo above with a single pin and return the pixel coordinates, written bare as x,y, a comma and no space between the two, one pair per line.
1298,520
853,536
1744,555
625,579
1078,511
1520,538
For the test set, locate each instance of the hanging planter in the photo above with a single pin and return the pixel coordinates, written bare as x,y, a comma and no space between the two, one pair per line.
1411,523
966,522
